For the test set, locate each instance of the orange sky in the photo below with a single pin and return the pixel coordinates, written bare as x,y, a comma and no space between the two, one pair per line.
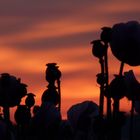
34,33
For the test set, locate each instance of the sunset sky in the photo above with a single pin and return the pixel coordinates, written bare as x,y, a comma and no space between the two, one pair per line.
36,32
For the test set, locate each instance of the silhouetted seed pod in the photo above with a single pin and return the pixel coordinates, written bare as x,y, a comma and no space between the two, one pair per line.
107,93
30,101
46,120
100,78
117,88
106,34
52,72
50,95
133,86
11,90
22,115
125,42
81,114
98,49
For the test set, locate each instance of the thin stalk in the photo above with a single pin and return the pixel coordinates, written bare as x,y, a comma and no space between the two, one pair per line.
6,113
115,108
107,83
131,120
117,102
101,101
121,69
59,92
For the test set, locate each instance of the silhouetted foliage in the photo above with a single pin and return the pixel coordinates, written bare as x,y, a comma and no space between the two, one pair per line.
22,115
45,123
11,90
117,88
85,120
133,86
124,40
52,94
80,112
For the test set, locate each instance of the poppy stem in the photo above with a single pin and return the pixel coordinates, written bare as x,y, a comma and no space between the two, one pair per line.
101,100
59,92
117,102
107,83
131,120
6,112
121,69
115,108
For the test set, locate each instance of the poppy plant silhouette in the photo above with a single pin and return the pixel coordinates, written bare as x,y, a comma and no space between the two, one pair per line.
124,41
11,92
85,120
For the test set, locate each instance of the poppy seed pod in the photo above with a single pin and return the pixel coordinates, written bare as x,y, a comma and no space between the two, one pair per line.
77,113
22,115
117,87
11,90
30,101
98,48
52,72
125,42
100,78
133,86
50,95
106,34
